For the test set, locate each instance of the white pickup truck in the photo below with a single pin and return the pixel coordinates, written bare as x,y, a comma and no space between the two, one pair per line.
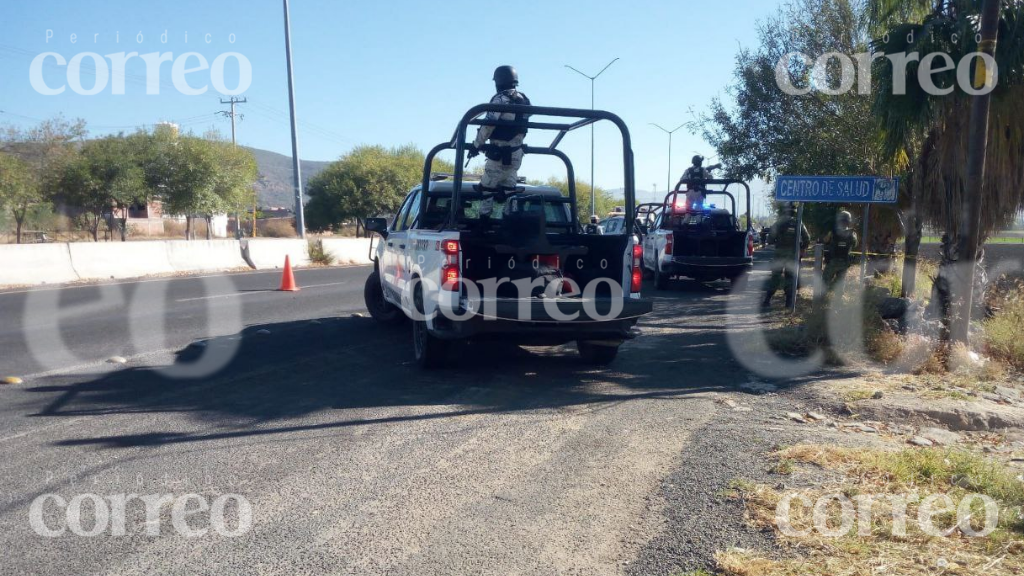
464,263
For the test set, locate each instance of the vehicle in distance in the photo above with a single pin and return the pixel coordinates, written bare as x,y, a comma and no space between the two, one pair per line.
697,239
463,263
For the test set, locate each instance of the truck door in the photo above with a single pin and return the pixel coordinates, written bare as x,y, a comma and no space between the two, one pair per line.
650,244
393,266
403,247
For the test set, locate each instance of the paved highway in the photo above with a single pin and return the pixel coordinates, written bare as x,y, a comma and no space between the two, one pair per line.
352,460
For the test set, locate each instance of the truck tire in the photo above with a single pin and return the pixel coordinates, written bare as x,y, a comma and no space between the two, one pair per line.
597,354
431,352
380,309
660,280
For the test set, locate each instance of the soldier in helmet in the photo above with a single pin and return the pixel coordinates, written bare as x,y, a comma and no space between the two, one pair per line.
695,192
505,151
840,244
783,236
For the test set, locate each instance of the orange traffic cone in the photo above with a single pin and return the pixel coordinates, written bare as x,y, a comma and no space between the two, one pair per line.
288,278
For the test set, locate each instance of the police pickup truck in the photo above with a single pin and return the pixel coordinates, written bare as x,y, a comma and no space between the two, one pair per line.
465,263
691,236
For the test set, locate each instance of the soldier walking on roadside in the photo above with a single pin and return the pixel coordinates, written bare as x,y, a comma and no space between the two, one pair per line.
783,236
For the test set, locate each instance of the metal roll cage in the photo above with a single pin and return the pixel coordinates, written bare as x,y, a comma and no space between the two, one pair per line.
584,118
723,192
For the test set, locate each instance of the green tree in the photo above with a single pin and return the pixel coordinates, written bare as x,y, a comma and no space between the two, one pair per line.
115,165
19,190
366,182
605,201
199,177
237,172
926,134
760,131
45,148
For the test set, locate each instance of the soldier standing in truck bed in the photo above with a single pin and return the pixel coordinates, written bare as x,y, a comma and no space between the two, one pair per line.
505,151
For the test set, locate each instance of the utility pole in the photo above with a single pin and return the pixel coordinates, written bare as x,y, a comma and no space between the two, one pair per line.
232,101
300,218
976,156
670,133
593,186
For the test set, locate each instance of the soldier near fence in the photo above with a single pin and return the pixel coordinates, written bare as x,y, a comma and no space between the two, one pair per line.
502,145
783,236
839,246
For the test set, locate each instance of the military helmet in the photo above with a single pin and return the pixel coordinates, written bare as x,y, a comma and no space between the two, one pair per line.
593,219
506,76
698,160
844,217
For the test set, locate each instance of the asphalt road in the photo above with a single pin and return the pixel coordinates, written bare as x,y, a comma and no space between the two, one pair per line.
521,461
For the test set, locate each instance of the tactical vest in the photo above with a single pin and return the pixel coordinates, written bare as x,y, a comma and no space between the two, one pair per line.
506,133
787,236
842,244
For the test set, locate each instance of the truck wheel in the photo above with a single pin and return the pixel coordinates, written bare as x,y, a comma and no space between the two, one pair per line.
660,280
597,354
430,352
380,309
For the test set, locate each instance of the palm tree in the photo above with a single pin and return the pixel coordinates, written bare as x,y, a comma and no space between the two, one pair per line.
926,134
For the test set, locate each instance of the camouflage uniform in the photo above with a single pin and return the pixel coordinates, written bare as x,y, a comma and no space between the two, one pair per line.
502,167
840,244
783,236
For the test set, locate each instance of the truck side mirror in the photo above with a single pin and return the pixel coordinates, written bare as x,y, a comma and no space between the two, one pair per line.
378,225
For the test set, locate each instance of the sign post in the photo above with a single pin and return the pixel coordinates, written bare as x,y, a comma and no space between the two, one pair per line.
865,190
864,243
796,270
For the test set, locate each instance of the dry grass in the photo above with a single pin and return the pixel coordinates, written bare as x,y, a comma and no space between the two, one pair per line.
878,548
278,228
1004,333
317,254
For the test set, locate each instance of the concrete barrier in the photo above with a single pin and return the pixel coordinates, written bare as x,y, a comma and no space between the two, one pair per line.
268,254
101,260
204,255
32,264
348,250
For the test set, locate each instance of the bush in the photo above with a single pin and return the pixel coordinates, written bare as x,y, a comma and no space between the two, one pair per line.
1004,332
277,229
893,278
317,254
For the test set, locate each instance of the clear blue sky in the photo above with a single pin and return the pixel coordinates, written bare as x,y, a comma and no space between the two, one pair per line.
398,71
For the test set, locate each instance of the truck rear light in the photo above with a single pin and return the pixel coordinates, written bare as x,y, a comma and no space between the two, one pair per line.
450,247
668,243
450,278
550,260
750,245
638,251
636,280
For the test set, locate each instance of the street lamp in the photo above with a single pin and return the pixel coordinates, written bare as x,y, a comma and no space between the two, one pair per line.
670,133
593,202
300,217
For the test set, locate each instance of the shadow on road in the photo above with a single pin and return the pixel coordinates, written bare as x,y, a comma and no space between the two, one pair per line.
301,368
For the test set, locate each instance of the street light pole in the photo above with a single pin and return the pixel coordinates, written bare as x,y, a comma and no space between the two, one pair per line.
300,218
593,195
670,133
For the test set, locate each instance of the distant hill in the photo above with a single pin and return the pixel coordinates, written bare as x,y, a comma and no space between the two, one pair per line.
641,195
275,186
